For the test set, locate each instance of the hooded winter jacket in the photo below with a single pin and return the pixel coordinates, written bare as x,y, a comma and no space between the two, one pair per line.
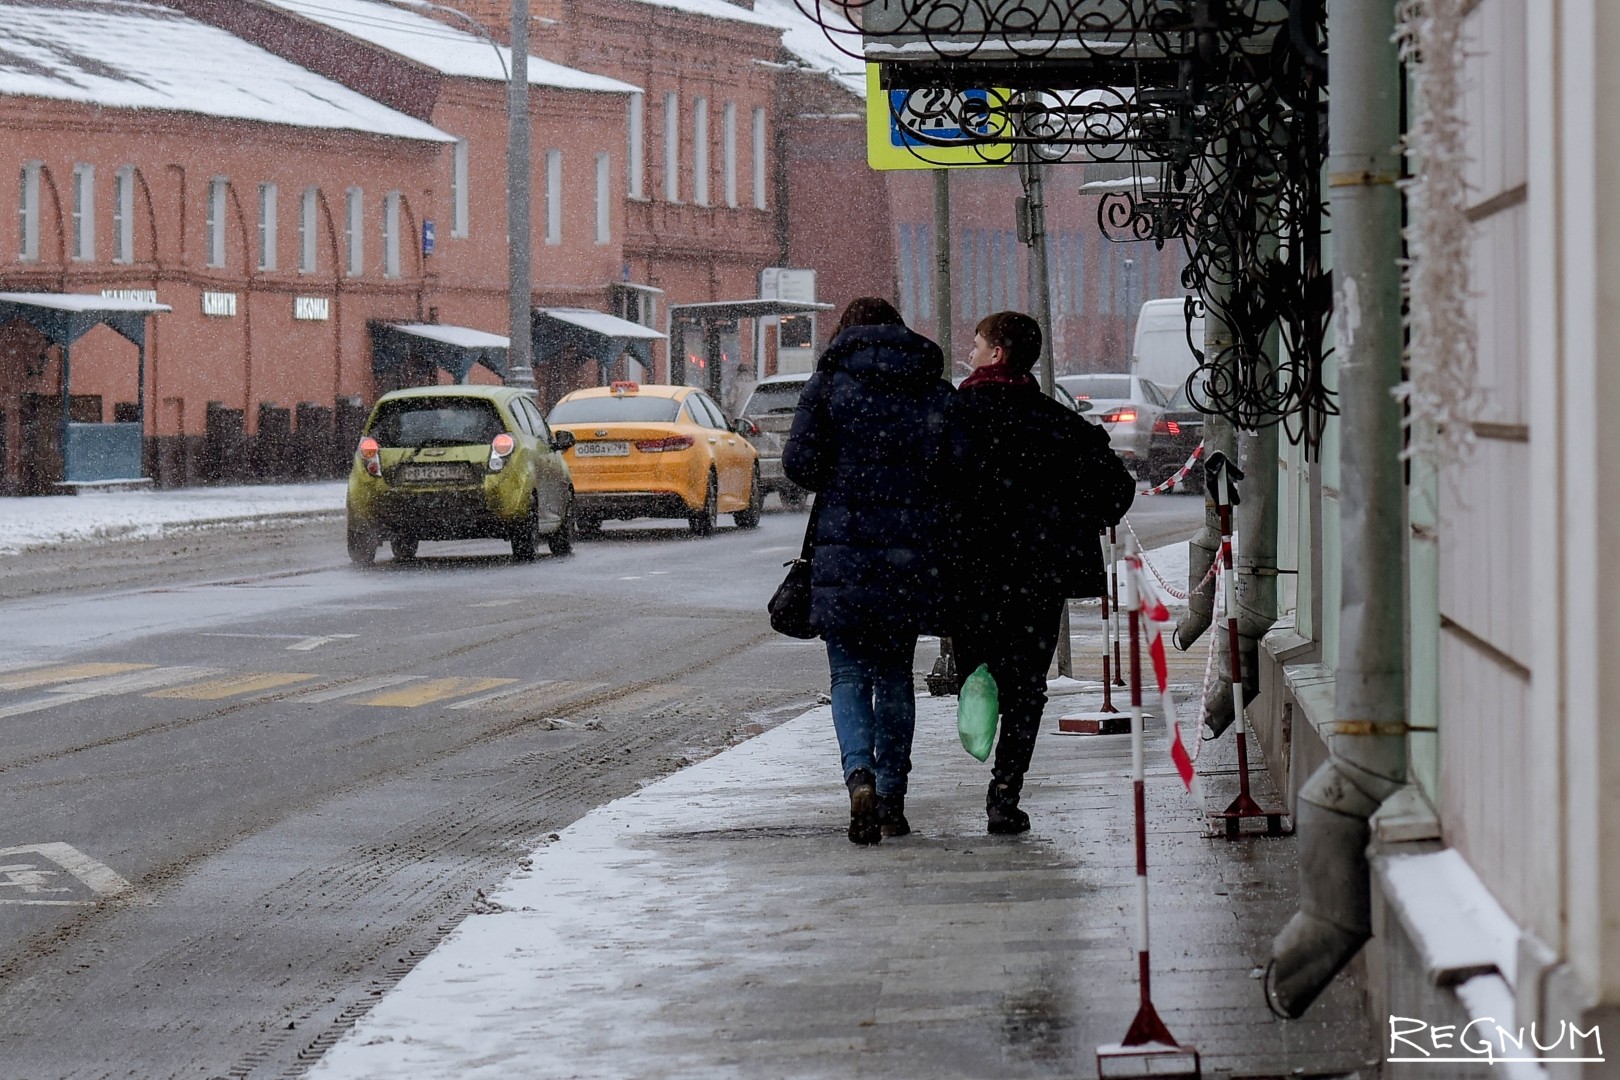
869,438
1031,485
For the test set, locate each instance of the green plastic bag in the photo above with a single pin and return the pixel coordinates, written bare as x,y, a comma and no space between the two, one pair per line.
976,709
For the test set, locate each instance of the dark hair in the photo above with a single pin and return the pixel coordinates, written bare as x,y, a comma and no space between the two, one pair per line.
1017,334
868,311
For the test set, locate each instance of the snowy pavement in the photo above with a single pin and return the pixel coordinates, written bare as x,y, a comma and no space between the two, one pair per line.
49,520
718,924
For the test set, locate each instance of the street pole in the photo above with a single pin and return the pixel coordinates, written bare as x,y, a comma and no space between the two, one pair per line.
1040,295
520,352
942,267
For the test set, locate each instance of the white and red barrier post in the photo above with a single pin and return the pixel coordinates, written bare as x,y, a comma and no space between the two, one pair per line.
1113,578
1244,806
1148,1048
1107,720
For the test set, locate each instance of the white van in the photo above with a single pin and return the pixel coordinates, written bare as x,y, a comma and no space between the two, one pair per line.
1161,353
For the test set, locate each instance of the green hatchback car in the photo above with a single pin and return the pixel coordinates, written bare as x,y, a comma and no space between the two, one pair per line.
459,463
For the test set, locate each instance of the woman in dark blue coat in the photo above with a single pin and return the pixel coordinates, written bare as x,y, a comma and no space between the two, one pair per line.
869,438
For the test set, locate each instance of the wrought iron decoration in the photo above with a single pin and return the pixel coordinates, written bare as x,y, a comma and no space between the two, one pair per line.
1223,102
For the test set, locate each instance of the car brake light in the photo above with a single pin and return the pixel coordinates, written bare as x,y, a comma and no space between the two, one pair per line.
620,387
371,454
499,448
659,446
1167,427
1119,416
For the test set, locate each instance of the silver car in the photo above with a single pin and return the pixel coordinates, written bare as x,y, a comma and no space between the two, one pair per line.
771,406
1126,406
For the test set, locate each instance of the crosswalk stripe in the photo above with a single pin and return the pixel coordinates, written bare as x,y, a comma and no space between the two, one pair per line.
508,692
61,673
434,690
233,685
359,686
113,684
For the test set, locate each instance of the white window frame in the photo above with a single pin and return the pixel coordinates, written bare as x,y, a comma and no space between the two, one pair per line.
604,198
759,159
672,147
268,194
84,212
728,137
216,221
635,163
554,197
354,233
28,212
460,210
390,234
700,151
124,215
308,234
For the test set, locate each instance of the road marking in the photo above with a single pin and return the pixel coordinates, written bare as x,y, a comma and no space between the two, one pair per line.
62,673
359,686
311,643
502,603
434,690
35,885
510,691
233,685
104,687
300,642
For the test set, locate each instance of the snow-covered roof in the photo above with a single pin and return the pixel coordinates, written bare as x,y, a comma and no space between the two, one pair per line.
808,42
607,325
438,46
126,54
81,302
464,337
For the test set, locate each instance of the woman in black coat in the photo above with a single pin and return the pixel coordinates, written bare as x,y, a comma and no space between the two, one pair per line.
869,438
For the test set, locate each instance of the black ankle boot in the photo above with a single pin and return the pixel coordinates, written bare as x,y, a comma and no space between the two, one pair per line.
892,815
864,827
1001,807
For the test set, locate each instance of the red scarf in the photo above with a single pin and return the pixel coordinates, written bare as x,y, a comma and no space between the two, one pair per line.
998,375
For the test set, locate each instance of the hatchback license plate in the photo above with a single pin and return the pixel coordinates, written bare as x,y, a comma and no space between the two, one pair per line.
419,473
601,449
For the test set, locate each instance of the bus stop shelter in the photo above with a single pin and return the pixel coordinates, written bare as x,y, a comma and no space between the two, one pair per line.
453,349
91,452
713,319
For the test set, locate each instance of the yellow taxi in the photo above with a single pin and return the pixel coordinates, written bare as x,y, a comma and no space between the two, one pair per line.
642,450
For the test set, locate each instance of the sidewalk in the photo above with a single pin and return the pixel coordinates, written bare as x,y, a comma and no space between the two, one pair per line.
38,521
719,924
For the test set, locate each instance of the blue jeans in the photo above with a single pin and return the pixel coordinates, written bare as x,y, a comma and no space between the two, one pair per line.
874,708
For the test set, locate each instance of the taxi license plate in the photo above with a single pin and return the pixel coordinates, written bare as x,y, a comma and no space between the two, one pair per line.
416,474
602,448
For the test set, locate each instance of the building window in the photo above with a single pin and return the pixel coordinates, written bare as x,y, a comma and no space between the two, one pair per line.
84,213
216,221
925,278
700,151
390,235
267,226
28,212
124,215
354,235
759,159
908,307
672,148
633,162
458,189
728,136
307,248
554,196
604,195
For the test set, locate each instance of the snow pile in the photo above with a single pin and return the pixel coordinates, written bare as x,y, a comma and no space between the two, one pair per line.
821,48
47,521
126,55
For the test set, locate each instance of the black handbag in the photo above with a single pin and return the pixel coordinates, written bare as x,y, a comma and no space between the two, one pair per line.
790,604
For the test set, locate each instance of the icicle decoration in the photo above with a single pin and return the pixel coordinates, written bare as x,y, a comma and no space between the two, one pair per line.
1442,387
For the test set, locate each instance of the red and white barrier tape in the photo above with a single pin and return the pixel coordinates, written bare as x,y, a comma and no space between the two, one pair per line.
1169,588
1179,475
1157,618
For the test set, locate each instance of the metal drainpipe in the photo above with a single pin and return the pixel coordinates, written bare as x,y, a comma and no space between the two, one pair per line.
1367,741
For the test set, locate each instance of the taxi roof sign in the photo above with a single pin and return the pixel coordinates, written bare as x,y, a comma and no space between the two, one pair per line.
899,136
624,386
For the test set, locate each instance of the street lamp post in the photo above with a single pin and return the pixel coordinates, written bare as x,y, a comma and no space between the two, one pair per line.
520,275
